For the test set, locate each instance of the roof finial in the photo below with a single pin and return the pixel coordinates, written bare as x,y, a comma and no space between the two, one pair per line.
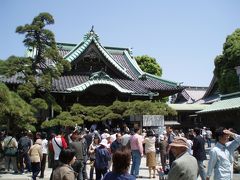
92,28
91,33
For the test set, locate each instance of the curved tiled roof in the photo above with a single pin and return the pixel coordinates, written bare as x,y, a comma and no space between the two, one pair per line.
223,105
78,50
84,86
65,83
16,79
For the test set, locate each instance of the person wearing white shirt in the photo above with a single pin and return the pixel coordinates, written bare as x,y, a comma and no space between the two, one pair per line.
222,155
45,152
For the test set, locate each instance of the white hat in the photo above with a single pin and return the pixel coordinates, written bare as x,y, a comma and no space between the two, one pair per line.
161,137
107,135
104,143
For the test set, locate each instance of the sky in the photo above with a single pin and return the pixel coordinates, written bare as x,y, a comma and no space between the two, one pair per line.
183,36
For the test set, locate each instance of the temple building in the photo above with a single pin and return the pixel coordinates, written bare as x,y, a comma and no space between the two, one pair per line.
223,110
100,75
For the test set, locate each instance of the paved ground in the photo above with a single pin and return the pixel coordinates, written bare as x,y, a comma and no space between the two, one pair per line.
143,173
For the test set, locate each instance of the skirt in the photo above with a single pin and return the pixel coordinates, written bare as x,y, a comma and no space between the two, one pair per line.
151,159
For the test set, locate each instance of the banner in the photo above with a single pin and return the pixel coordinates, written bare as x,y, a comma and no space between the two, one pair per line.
153,120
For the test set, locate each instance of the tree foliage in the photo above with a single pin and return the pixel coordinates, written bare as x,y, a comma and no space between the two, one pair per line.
226,62
3,67
149,65
15,113
64,119
39,103
117,111
44,62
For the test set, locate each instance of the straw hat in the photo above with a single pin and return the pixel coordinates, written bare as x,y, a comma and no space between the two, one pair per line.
179,142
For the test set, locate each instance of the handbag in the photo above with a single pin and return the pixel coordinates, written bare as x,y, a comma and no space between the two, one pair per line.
10,151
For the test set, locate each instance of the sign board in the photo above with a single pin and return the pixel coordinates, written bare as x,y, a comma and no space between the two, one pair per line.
153,120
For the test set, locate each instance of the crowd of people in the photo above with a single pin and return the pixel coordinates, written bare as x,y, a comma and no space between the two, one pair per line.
118,154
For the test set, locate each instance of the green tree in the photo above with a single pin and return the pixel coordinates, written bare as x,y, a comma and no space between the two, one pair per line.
149,65
147,107
226,62
64,119
43,63
15,113
3,67
117,111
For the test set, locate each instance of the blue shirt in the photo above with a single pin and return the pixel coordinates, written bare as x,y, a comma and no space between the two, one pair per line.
102,158
221,159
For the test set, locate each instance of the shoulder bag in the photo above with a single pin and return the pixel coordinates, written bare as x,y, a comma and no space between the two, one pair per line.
10,151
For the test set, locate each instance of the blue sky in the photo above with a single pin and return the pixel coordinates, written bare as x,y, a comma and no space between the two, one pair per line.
184,36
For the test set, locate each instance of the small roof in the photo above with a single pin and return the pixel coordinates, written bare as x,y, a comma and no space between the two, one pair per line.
223,105
188,107
189,95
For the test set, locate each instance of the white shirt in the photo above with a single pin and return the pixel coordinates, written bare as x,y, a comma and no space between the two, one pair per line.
56,149
150,144
221,159
190,144
45,146
125,139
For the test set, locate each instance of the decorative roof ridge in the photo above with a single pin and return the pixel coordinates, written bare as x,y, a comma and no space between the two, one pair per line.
171,83
78,49
116,48
195,87
141,72
66,43
99,75
185,93
230,96
133,62
85,85
210,87
111,59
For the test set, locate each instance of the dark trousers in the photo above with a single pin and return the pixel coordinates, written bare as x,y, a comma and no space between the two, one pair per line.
78,167
36,167
171,158
43,165
100,173
163,160
24,157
